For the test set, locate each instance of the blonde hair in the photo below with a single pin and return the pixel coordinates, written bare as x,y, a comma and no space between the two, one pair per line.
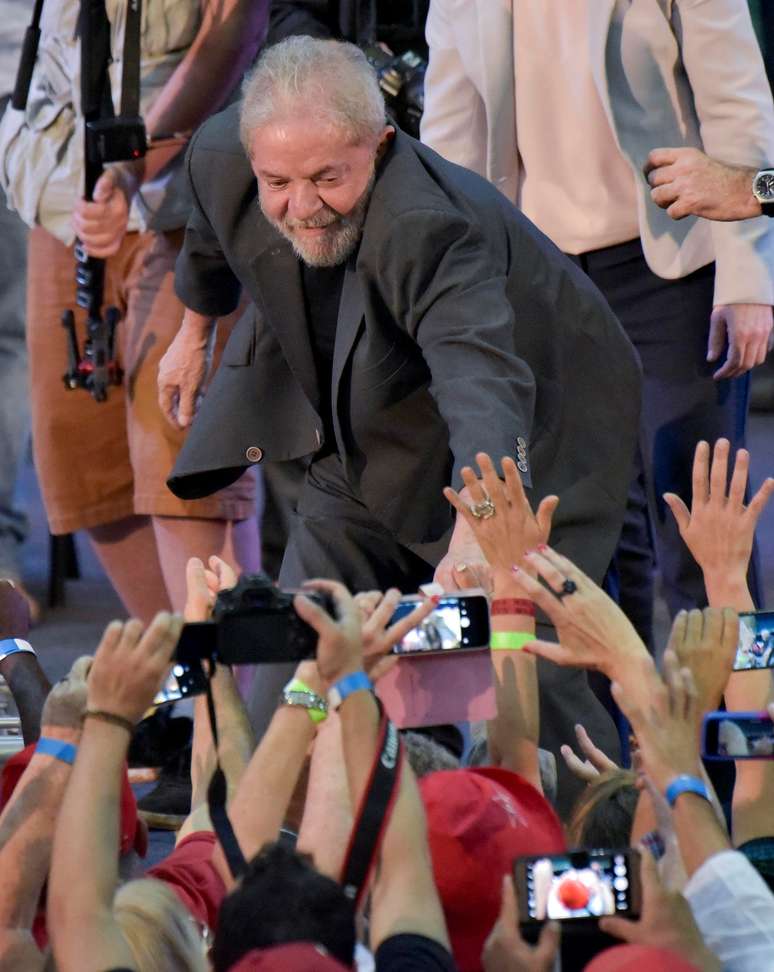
159,930
604,812
331,78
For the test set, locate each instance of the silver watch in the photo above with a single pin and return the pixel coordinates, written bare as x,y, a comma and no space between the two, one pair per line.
763,190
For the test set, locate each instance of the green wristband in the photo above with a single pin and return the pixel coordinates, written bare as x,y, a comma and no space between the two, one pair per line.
298,693
510,640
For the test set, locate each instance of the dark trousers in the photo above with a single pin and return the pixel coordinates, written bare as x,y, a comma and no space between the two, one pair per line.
333,535
668,323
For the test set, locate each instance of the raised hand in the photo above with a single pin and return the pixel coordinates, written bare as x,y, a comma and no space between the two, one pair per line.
14,612
705,642
719,529
66,701
130,665
506,951
203,585
666,921
593,631
512,528
595,762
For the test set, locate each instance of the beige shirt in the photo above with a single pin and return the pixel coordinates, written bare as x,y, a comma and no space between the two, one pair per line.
41,149
576,185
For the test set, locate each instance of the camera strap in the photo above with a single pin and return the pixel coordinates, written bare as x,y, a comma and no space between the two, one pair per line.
374,812
130,76
217,793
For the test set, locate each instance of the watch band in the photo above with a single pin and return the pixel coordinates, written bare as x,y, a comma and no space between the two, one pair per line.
686,784
765,199
297,693
12,646
354,682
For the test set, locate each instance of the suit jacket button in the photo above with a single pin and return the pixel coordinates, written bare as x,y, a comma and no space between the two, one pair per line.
521,466
521,442
254,454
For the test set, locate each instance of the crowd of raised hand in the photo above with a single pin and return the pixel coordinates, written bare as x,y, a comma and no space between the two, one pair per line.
439,892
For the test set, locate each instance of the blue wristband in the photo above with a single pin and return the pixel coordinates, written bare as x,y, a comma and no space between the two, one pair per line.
354,682
686,784
58,749
12,646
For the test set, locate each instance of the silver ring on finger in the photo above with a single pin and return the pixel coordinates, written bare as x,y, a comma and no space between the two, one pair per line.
483,510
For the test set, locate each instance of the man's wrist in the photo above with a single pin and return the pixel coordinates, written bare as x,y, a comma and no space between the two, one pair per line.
725,589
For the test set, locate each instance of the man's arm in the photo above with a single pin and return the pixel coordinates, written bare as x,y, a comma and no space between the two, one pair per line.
686,182
454,119
733,101
21,670
127,671
228,39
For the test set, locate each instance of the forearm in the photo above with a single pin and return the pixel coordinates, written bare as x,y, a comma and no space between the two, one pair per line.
515,730
327,820
84,871
237,740
405,899
698,831
29,688
258,809
26,834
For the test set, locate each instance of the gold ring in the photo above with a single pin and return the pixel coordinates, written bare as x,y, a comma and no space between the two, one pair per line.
483,510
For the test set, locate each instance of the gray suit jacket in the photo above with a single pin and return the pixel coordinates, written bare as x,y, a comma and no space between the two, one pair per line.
461,328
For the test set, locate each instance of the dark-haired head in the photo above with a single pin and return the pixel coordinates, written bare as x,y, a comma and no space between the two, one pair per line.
282,898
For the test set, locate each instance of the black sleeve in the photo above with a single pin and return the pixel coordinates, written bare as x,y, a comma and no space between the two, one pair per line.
413,953
203,279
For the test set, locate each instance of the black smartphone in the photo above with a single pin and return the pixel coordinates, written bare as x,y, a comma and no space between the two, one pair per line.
737,735
578,886
756,641
458,622
183,681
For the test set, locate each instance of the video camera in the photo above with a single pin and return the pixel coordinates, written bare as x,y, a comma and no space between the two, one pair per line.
402,80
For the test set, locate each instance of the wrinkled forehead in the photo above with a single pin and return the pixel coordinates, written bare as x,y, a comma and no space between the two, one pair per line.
302,147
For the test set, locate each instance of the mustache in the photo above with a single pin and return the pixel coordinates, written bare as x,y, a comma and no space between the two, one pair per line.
325,217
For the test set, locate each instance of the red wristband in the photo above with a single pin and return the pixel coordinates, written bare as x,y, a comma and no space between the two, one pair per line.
512,605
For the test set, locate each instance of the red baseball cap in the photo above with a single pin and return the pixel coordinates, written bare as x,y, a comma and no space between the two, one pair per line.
294,957
634,958
478,821
134,833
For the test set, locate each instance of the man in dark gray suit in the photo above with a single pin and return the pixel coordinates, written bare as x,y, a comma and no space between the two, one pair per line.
406,317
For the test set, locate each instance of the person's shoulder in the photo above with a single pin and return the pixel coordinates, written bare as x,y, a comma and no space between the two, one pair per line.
220,133
414,178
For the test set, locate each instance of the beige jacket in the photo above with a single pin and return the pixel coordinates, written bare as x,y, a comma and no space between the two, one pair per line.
669,73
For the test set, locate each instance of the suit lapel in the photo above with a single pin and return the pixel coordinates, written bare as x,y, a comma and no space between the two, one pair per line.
279,296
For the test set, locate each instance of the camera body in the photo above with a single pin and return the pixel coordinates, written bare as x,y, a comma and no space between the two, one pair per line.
402,80
253,623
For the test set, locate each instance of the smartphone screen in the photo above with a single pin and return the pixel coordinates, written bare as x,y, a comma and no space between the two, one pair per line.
738,735
183,682
579,884
460,621
756,641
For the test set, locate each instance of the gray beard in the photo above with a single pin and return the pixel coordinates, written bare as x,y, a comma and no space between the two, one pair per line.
339,242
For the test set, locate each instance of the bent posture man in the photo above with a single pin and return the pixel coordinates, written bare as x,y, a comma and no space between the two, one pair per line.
406,316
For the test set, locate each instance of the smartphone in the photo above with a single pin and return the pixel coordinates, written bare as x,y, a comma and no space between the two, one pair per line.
737,735
183,681
580,885
756,641
458,622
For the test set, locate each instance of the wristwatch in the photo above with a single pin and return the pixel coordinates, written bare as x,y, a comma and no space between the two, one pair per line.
763,190
296,693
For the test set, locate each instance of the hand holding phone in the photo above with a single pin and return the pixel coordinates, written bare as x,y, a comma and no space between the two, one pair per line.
737,735
458,622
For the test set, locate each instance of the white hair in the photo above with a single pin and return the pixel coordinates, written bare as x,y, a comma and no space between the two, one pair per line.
331,78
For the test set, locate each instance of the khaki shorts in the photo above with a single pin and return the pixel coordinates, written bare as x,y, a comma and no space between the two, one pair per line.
100,462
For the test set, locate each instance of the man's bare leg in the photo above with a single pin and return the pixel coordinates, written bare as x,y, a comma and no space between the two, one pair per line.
127,551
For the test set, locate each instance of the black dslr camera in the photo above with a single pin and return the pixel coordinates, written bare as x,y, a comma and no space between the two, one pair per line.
252,623
402,80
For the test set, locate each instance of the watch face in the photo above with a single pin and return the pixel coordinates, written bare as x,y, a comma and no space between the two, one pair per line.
763,186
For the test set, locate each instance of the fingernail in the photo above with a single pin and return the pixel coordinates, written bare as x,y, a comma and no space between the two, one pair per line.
542,546
515,569
530,553
435,598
